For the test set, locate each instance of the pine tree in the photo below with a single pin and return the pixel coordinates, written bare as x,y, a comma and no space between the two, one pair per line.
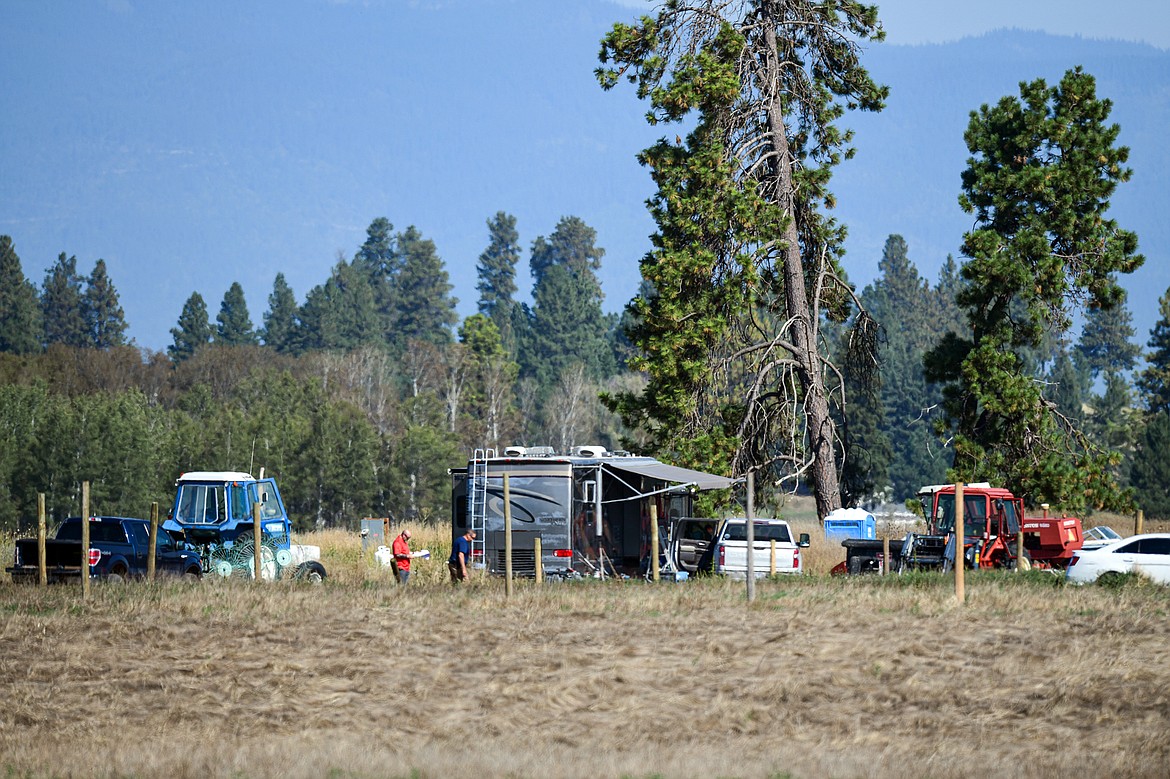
380,262
1106,344
497,274
573,245
1042,170
567,324
1154,382
745,262
865,469
426,310
945,313
1150,472
1065,389
21,328
1106,350
340,314
628,322
233,323
554,341
900,300
193,331
490,396
280,321
103,312
1113,423
62,307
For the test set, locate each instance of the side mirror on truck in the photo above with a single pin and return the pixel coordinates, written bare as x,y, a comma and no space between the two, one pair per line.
804,541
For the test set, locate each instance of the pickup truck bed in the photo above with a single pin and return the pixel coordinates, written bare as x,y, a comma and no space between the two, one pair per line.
119,549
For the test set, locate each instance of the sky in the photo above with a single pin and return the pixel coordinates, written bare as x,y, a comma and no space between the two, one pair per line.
191,145
909,22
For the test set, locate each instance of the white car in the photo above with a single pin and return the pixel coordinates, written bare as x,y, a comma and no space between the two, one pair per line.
1147,555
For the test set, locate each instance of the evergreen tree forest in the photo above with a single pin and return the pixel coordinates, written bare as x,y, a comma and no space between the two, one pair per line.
745,349
358,399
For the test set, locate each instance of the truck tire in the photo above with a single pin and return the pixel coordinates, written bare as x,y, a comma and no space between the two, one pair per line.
115,578
312,572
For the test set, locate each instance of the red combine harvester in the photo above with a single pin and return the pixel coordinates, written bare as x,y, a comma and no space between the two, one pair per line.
993,518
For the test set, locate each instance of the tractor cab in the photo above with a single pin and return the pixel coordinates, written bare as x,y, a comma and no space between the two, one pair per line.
213,512
988,512
215,507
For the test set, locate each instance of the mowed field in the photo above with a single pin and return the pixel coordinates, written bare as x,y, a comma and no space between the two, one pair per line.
819,677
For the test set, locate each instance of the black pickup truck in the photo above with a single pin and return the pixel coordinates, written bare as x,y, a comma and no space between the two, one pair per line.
118,549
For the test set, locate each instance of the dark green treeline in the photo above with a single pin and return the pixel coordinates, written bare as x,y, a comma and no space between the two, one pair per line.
359,399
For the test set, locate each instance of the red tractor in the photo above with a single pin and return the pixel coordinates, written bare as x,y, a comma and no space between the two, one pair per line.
992,521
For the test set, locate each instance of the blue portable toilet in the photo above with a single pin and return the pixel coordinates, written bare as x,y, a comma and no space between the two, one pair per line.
850,523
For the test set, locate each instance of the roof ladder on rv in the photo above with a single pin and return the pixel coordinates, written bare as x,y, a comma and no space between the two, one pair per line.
477,502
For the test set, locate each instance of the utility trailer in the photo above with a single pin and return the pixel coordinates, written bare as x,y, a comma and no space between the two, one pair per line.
590,508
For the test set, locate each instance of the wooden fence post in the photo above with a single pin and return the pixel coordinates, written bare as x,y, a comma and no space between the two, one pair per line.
1020,565
42,566
150,556
772,559
539,553
750,534
507,538
886,553
85,540
960,538
654,572
1138,522
257,538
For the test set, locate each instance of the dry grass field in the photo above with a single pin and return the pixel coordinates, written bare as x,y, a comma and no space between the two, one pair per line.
820,677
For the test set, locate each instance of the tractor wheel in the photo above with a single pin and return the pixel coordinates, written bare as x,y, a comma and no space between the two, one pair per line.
1024,563
312,572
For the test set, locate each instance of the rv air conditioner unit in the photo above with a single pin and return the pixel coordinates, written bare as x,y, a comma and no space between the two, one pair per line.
515,451
590,451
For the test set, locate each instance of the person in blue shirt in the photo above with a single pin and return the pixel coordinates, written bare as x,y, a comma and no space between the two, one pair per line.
460,557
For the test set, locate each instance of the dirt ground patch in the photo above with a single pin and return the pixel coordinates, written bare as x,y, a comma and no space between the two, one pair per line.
819,677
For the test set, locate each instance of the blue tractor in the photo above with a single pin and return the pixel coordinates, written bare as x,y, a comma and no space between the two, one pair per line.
213,513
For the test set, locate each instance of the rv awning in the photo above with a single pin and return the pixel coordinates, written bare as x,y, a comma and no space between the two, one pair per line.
673,474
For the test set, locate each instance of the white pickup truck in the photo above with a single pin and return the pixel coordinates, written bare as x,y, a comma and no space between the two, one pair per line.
730,550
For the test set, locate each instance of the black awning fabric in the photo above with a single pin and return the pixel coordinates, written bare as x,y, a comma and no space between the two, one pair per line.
672,474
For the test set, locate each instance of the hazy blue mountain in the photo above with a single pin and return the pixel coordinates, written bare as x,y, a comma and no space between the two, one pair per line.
191,145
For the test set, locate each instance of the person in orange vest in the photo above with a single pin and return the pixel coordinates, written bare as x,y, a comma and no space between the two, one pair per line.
401,551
